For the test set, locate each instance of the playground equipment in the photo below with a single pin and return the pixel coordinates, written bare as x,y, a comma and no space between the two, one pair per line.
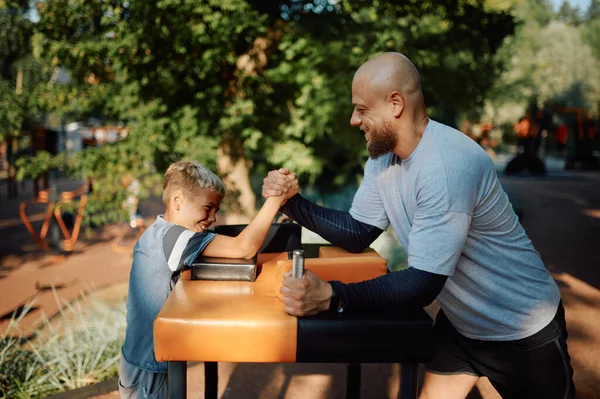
43,197
54,208
67,197
580,146
528,130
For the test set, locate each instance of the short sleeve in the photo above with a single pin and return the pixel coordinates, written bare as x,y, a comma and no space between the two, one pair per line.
182,246
367,206
436,241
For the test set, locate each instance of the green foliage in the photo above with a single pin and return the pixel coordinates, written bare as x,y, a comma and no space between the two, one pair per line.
188,76
80,347
547,62
591,34
20,74
569,14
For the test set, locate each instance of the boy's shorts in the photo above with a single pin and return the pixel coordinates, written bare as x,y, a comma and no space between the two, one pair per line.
135,383
538,366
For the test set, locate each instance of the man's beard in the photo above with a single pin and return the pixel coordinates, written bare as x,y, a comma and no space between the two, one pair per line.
383,140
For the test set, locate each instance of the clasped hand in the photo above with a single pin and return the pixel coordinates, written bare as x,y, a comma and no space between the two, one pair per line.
280,182
302,296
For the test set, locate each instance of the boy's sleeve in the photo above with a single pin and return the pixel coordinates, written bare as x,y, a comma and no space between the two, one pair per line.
181,246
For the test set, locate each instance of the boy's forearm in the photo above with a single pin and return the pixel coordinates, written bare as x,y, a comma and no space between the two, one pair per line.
252,237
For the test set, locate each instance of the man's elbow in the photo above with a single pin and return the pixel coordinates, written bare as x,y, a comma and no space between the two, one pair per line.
354,247
426,301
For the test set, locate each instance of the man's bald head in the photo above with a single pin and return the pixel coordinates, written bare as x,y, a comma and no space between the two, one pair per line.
390,72
388,104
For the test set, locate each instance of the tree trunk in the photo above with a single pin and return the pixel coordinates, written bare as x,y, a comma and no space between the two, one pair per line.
233,168
232,165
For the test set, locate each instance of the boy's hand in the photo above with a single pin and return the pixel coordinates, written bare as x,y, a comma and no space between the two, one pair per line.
280,182
305,296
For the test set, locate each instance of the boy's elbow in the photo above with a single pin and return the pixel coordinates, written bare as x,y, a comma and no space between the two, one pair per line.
247,250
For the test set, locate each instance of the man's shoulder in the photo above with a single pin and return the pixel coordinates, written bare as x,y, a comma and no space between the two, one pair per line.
456,149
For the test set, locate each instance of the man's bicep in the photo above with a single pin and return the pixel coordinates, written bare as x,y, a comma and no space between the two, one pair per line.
436,241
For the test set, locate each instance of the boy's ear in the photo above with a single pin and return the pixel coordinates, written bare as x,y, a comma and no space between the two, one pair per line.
177,199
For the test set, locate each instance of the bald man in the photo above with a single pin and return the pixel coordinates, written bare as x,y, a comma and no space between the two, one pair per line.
501,314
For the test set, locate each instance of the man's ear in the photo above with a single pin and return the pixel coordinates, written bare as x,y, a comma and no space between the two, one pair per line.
396,100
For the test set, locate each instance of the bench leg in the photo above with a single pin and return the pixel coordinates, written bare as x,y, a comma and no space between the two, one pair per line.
408,380
211,380
353,381
177,380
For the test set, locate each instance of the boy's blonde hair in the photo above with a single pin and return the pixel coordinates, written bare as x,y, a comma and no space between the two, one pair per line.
190,176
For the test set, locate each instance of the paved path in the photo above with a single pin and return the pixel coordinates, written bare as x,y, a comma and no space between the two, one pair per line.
561,214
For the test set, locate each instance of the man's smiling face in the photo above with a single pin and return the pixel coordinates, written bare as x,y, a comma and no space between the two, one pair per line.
370,114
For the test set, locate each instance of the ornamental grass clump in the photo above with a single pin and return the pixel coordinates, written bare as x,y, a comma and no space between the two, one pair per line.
78,347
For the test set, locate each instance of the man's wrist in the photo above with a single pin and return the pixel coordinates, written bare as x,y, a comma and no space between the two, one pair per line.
334,299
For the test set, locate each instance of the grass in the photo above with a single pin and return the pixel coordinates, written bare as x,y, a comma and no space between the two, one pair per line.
78,347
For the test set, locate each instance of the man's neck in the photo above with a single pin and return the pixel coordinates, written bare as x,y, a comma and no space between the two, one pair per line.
410,136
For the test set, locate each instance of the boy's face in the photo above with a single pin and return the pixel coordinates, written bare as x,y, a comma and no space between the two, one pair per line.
197,212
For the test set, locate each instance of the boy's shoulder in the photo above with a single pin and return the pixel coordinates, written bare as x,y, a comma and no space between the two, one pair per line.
174,242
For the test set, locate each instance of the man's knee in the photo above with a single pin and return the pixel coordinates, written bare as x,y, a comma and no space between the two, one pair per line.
448,386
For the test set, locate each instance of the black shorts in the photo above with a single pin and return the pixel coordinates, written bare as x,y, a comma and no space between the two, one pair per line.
538,366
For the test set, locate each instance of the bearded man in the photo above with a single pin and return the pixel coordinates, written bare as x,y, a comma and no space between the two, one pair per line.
501,314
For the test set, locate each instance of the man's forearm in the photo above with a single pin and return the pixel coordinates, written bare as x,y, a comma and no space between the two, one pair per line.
337,227
409,287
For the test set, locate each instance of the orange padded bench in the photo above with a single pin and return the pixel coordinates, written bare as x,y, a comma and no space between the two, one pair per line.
234,321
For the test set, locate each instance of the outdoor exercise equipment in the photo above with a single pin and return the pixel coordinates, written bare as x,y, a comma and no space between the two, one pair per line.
43,197
54,207
580,147
245,321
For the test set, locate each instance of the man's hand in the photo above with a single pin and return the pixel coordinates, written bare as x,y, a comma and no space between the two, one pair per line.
305,296
280,182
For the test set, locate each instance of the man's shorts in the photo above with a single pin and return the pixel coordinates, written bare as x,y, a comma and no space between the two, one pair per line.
135,383
538,366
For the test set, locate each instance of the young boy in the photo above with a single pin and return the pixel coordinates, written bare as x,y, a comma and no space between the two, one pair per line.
191,195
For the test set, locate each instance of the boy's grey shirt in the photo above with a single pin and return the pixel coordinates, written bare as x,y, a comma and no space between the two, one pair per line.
158,257
448,209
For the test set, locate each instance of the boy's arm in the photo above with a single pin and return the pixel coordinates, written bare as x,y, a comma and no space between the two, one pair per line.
248,242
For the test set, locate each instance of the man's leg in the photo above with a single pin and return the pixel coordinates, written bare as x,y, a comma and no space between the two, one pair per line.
447,386
449,375
538,366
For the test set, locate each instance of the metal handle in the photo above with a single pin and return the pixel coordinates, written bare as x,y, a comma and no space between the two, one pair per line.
298,263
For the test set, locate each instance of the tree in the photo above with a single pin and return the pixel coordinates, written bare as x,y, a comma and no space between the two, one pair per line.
575,81
533,74
242,85
591,29
593,11
569,14
20,76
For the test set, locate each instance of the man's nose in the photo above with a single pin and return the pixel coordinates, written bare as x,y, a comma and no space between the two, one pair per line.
355,120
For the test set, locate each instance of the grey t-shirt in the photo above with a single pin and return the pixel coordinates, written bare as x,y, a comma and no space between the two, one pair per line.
449,211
